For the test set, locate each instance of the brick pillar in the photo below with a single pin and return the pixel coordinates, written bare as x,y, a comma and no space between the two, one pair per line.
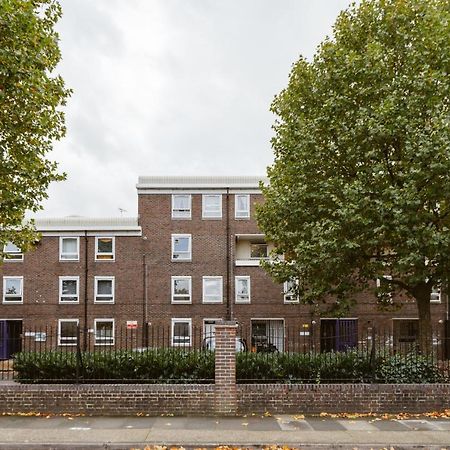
225,360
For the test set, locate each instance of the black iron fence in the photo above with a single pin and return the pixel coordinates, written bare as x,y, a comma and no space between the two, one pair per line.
266,351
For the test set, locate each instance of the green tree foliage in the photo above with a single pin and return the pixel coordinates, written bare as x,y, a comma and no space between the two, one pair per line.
360,186
30,116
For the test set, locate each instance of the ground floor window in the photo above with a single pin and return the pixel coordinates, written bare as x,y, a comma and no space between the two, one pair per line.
67,331
181,332
267,335
104,331
405,330
338,334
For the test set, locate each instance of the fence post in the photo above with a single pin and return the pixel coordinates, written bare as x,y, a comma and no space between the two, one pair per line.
225,369
78,356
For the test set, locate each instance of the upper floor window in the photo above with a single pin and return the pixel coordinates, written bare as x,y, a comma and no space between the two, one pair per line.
435,296
12,289
242,289
212,289
69,249
181,289
104,290
212,206
104,248
181,247
289,291
181,206
385,290
68,289
259,250
242,206
12,252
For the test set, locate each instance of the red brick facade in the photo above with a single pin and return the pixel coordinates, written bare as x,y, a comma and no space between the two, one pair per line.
144,266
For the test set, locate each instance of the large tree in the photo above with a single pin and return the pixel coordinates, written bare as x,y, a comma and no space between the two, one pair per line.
360,186
31,119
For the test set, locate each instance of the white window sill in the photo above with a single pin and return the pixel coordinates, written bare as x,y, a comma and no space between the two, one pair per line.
248,262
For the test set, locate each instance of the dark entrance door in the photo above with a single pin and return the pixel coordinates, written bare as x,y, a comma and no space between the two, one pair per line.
338,334
10,338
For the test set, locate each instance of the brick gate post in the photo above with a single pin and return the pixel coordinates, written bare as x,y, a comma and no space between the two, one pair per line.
225,361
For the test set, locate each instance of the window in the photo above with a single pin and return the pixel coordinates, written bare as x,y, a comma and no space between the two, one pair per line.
242,206
181,332
259,251
406,330
181,206
181,289
212,206
289,291
242,289
104,331
68,289
12,289
181,247
104,290
435,296
212,289
67,331
104,248
69,249
385,290
12,253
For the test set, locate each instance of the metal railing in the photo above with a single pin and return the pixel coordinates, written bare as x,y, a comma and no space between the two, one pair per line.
265,353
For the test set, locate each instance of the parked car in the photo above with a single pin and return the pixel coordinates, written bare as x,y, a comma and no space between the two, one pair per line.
209,343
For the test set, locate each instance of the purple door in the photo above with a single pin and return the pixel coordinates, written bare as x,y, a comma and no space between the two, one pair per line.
4,353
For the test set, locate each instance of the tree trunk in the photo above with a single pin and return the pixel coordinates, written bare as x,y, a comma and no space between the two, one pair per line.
422,295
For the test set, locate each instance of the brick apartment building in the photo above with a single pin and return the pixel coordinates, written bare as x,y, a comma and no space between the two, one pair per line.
190,259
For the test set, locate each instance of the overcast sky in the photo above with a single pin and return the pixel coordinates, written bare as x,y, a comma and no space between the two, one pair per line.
172,87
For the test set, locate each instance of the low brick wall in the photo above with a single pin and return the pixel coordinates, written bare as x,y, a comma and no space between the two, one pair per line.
335,398
109,399
199,399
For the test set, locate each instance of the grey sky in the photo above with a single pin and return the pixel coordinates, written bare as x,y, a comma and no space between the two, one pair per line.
173,87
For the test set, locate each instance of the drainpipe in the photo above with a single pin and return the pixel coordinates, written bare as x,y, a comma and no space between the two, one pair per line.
85,328
229,302
145,303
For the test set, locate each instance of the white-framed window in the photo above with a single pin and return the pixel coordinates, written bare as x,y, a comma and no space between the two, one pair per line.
12,289
181,206
12,253
69,288
289,294
67,331
211,206
242,206
104,290
259,250
242,289
435,296
212,289
181,332
181,247
69,248
104,248
181,289
104,331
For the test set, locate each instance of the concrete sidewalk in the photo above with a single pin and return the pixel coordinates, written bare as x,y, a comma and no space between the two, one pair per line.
66,432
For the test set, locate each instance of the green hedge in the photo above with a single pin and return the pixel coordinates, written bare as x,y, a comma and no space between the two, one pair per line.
174,365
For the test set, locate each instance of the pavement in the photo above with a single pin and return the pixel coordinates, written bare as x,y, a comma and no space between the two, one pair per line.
253,432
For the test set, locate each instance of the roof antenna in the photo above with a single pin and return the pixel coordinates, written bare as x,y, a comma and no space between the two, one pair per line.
122,211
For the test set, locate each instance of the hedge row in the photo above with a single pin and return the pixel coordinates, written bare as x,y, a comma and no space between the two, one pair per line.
173,365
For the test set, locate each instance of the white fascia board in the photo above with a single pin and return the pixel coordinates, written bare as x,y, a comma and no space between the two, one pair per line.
103,232
149,190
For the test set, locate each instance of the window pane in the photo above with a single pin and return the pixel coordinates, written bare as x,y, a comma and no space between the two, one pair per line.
242,287
181,329
181,244
181,286
104,287
181,202
11,248
105,245
13,286
212,289
258,251
69,287
69,245
69,329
